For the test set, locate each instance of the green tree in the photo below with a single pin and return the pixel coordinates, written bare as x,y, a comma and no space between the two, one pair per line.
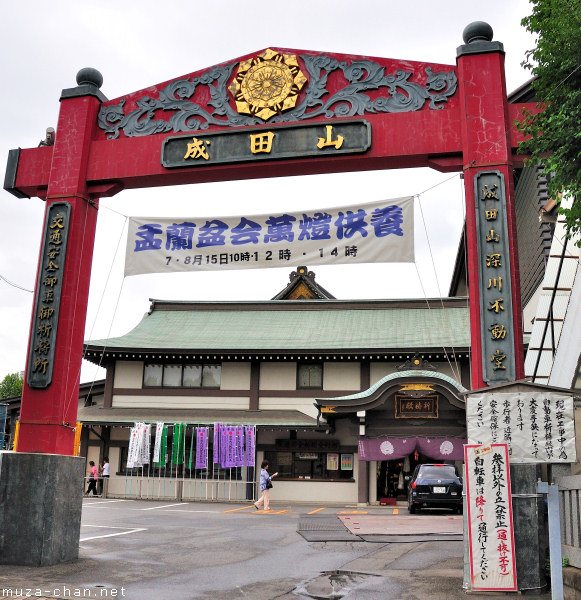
11,386
555,131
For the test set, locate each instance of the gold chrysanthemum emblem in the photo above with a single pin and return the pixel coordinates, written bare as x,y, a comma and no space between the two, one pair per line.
267,84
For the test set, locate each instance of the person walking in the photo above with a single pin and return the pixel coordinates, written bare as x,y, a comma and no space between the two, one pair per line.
104,473
265,485
93,476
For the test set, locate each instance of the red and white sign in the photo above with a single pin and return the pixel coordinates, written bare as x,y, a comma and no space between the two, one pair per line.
490,527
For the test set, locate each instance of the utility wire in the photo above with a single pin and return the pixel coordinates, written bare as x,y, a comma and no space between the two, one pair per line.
16,285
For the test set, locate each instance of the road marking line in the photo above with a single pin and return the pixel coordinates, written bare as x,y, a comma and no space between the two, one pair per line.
165,506
95,537
104,526
235,509
103,502
316,510
395,511
184,511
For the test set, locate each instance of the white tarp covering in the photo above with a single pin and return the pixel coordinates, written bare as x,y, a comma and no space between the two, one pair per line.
539,427
381,231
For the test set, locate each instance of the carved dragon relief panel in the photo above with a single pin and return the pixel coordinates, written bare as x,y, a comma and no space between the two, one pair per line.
267,88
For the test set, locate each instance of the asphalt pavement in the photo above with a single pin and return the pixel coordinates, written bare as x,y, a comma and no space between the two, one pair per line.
142,550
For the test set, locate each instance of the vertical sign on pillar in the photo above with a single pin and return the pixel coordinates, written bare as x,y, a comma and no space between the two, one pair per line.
498,360
48,296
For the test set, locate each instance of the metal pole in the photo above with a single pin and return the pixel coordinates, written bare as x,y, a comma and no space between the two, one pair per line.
552,492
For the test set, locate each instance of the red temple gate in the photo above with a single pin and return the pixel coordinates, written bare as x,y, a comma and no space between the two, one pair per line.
450,118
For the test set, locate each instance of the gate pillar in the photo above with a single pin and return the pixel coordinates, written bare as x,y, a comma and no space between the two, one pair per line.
50,391
492,259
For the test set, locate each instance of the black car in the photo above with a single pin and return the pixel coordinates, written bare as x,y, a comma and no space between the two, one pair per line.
435,486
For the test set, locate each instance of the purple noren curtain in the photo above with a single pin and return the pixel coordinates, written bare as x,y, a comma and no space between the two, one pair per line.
385,448
395,448
442,448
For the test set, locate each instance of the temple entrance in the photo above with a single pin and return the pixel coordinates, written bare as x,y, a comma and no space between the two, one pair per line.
391,476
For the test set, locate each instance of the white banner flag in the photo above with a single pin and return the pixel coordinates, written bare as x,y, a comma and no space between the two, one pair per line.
138,452
157,446
381,231
538,427
146,445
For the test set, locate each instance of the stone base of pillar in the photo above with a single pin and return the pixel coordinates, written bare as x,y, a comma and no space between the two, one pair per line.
41,500
529,518
529,531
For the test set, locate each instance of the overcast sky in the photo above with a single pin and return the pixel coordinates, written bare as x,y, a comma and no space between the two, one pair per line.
134,45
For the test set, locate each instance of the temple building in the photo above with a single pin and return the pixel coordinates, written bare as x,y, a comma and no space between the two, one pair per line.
345,396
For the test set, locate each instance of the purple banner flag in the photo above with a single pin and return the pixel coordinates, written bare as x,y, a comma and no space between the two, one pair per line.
231,446
228,446
239,446
201,447
249,434
217,442
234,445
223,445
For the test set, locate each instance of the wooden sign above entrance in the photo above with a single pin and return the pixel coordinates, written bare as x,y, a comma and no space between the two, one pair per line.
281,141
416,408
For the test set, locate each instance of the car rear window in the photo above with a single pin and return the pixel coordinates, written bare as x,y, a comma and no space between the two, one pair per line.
440,472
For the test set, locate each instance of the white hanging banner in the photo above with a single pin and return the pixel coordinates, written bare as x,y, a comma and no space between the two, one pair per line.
145,445
381,231
490,524
135,440
138,452
538,427
157,446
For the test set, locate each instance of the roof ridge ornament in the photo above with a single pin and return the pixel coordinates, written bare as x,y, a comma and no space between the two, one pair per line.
418,363
301,271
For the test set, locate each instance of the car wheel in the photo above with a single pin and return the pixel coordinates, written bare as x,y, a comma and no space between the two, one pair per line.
459,510
411,508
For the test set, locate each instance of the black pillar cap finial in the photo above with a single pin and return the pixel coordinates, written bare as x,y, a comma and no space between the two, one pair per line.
478,31
478,40
89,81
89,76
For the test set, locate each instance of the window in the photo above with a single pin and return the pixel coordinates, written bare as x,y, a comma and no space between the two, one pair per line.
310,376
193,376
182,376
172,375
309,465
152,375
211,376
